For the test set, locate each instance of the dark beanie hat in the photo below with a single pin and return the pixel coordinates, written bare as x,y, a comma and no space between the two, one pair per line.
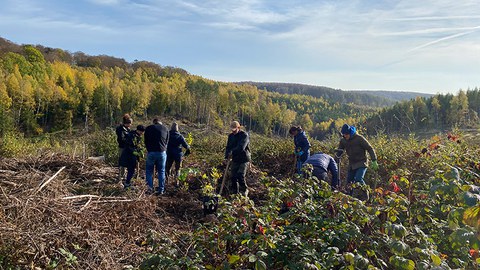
345,129
141,128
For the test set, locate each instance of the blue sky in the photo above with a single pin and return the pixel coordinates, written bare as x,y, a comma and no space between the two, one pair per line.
430,46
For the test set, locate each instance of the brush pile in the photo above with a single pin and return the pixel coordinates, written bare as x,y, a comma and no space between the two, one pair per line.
63,211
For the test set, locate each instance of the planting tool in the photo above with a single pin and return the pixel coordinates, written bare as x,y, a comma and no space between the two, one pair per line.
338,158
224,176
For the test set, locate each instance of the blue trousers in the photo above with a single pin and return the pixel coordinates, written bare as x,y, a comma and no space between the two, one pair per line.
356,176
156,159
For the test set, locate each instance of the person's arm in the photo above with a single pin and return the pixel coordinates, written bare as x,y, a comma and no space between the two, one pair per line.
228,147
184,143
332,167
367,146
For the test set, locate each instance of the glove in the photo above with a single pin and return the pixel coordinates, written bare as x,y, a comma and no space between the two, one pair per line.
187,152
374,165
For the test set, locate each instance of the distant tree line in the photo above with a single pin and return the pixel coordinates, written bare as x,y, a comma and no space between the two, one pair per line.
327,93
435,113
45,90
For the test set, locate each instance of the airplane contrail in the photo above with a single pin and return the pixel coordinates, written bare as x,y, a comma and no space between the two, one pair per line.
475,29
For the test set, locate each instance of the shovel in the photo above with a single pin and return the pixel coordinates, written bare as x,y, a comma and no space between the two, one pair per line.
338,158
224,177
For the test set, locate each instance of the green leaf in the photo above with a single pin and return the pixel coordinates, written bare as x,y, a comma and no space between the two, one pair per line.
260,265
232,259
349,257
436,260
399,248
252,258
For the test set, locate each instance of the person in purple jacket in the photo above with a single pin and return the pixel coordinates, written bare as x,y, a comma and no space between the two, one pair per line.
322,164
302,146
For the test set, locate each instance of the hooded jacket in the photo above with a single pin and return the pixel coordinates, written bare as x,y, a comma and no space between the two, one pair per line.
175,143
302,144
356,148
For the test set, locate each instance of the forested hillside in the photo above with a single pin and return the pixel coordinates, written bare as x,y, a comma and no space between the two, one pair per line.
435,113
360,97
44,89
395,95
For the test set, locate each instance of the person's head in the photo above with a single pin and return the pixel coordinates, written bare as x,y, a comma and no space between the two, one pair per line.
174,127
235,127
294,130
156,121
140,129
347,131
127,120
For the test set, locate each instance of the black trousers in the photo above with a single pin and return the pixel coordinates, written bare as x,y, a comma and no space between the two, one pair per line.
238,173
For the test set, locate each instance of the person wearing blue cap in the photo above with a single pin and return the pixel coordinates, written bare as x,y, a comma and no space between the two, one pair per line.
356,147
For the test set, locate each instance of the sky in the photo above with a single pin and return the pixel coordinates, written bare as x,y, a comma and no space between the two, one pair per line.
429,46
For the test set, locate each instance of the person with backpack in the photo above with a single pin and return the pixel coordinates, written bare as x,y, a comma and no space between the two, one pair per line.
356,147
132,153
174,152
122,132
302,146
322,164
239,151
156,140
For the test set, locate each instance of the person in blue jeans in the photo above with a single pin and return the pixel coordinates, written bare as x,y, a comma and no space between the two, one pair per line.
156,140
302,146
356,147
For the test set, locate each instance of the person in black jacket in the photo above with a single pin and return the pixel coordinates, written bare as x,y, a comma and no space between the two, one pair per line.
238,149
131,153
122,132
156,141
174,151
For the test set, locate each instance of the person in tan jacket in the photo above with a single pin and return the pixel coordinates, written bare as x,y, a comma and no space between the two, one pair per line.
357,147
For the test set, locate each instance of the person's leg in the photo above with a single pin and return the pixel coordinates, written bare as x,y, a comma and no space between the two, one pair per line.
241,173
121,169
161,162
320,174
350,181
299,166
168,168
150,165
178,165
359,174
234,177
130,173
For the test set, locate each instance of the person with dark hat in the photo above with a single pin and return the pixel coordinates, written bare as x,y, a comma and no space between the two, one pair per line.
302,146
174,151
238,149
132,153
122,132
156,141
322,164
356,147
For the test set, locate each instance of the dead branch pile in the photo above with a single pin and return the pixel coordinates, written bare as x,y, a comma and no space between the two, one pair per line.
57,210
